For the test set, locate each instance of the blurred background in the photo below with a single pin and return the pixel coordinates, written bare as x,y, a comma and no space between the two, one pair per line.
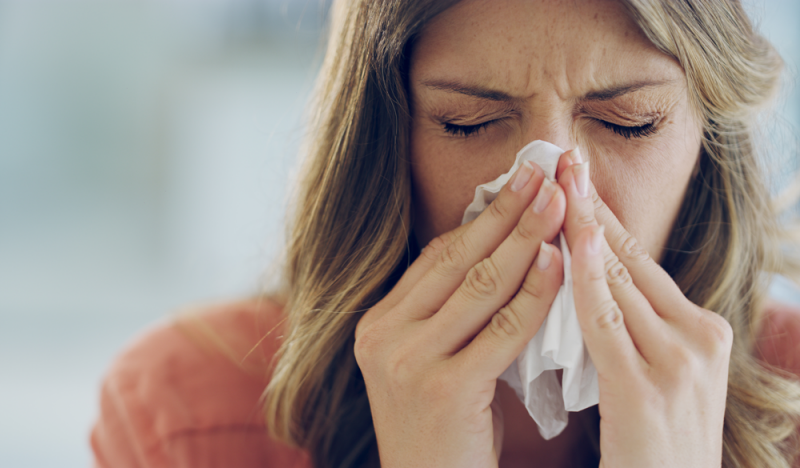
145,152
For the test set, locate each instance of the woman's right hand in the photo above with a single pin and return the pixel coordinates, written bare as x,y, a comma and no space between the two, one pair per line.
431,351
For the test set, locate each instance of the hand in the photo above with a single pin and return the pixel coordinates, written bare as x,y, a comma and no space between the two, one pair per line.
662,361
431,351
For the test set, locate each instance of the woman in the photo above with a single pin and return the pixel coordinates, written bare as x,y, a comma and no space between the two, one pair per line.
383,354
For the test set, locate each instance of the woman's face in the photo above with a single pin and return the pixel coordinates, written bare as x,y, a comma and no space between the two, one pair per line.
489,76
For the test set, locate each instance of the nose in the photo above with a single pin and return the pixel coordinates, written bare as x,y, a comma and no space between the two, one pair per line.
552,126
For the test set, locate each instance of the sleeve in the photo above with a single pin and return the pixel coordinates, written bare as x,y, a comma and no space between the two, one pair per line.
127,431
779,341
174,400
117,438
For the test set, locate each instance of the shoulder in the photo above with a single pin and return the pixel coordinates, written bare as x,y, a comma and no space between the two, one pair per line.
187,393
778,342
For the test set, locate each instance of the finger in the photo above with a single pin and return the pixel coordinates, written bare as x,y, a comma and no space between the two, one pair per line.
567,159
429,254
578,188
602,323
427,257
647,330
574,180
480,239
655,283
643,323
510,328
491,283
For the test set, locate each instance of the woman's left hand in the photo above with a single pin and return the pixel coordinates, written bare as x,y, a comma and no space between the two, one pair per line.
661,360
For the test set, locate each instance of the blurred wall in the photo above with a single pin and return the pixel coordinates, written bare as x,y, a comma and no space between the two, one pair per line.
145,149
145,152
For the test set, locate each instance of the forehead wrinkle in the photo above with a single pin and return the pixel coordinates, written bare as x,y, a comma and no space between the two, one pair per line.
643,93
513,43
612,92
476,91
467,112
643,103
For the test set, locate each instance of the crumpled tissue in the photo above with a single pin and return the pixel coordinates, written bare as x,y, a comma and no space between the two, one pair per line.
559,343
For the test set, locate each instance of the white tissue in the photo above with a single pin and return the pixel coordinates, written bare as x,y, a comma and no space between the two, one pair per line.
559,343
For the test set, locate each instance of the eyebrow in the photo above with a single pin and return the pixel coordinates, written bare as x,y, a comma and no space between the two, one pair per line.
474,91
495,95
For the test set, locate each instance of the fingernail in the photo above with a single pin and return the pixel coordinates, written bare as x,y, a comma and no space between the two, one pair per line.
544,196
576,156
523,176
581,173
545,256
597,239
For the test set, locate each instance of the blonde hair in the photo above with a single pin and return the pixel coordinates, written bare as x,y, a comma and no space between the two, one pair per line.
350,239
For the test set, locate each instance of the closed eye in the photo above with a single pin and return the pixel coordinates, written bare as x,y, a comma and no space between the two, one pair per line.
642,131
465,130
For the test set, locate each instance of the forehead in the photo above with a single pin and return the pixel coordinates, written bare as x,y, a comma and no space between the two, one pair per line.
519,46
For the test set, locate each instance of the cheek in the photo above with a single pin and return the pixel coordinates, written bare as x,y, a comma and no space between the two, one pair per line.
642,181
644,186
445,172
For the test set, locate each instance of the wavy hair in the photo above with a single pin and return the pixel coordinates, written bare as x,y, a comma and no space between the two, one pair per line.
350,236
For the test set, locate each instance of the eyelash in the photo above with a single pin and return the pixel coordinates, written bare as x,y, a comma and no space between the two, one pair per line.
642,131
465,130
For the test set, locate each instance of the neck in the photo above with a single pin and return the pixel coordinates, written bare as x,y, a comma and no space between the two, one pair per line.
523,446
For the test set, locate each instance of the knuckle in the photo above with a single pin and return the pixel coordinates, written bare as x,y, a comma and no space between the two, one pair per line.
506,323
586,218
365,348
607,316
616,273
683,363
631,249
401,366
483,279
524,234
436,246
360,327
718,334
498,209
454,254
595,276
531,290
370,320
598,202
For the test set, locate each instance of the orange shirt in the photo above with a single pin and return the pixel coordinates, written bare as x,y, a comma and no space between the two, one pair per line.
174,400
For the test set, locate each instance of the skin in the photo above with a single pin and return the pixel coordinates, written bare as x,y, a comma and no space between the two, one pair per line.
431,351
586,47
